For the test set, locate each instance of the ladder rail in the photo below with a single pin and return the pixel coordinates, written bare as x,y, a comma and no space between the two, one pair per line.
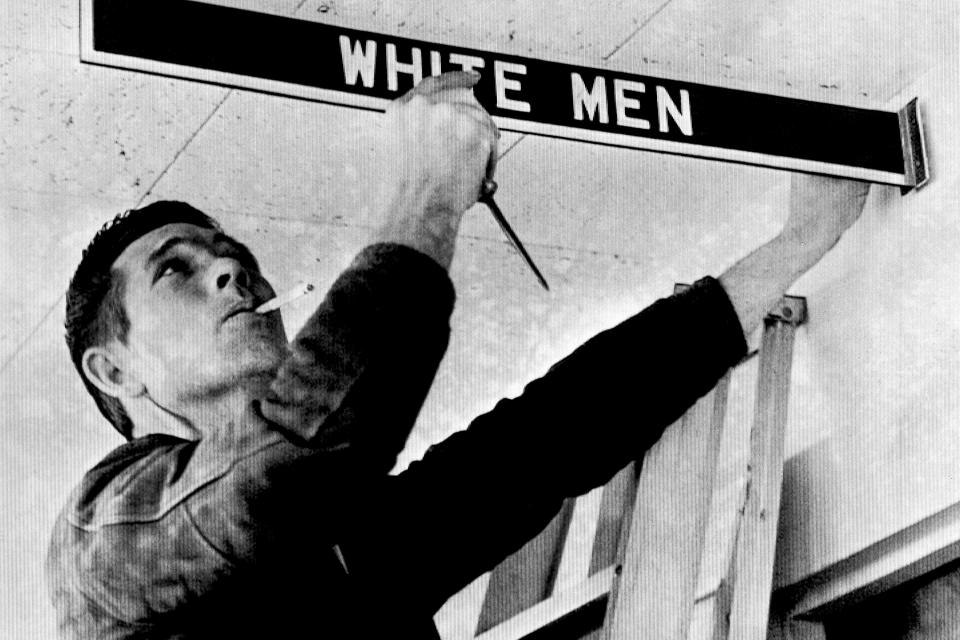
649,539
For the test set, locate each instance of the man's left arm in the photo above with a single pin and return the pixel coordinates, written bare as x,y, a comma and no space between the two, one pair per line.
485,491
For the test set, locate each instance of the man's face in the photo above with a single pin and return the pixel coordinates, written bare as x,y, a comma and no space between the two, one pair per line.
189,293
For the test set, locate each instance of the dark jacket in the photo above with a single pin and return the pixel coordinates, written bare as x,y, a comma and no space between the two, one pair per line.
287,524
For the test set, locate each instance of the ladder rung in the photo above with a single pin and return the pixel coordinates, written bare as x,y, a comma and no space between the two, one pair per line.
553,608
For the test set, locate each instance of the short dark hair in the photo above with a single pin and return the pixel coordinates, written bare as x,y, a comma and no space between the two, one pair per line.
95,311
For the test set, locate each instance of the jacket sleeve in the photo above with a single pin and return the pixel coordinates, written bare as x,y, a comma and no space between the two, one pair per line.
485,491
338,414
360,369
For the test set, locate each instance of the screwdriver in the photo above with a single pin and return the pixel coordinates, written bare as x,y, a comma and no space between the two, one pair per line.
487,190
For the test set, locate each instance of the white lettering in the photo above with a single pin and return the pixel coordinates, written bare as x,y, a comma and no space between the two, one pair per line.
623,103
357,61
467,63
435,67
594,100
414,67
681,116
502,84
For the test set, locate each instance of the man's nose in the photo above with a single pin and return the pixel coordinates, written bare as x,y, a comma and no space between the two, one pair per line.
226,272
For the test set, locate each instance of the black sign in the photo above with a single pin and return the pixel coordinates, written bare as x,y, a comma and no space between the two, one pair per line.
362,69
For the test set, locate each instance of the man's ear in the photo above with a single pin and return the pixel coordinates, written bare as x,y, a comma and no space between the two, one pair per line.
104,368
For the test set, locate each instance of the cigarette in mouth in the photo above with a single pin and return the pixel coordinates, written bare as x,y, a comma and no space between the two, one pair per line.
273,304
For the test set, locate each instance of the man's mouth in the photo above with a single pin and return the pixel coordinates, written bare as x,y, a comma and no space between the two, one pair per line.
238,310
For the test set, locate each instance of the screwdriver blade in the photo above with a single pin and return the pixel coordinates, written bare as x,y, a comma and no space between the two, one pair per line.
486,197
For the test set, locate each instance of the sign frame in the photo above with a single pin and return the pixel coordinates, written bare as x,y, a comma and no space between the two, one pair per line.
801,133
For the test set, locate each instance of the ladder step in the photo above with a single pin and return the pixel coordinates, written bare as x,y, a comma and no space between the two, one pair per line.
553,609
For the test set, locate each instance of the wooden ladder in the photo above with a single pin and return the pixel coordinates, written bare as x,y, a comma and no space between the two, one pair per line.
648,526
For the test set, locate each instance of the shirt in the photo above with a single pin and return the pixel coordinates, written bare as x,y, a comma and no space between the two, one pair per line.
287,522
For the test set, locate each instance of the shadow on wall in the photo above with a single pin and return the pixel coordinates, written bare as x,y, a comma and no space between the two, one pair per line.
927,608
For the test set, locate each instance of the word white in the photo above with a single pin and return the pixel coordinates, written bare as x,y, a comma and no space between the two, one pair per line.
594,102
360,60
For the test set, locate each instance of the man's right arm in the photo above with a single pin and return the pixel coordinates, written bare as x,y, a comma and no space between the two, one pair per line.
361,367
439,145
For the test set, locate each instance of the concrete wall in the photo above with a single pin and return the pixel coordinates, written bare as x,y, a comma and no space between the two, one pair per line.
873,430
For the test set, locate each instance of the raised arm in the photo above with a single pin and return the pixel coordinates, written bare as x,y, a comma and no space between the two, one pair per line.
438,147
362,365
483,492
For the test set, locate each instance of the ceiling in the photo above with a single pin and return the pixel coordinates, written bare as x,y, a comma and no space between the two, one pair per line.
859,53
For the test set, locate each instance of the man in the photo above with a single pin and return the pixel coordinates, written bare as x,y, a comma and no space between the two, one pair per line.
253,496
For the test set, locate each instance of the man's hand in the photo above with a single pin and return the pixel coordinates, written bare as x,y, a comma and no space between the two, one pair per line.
443,140
821,209
439,145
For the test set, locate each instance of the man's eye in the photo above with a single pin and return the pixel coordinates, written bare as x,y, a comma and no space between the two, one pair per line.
174,266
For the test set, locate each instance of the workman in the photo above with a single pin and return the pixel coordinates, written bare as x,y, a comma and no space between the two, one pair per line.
253,496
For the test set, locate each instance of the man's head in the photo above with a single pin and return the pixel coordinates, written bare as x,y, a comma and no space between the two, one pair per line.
161,308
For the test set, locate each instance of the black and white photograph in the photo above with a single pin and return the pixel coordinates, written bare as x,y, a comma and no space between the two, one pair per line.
489,319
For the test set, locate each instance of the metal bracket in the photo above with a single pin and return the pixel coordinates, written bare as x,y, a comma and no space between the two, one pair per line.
915,161
790,309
